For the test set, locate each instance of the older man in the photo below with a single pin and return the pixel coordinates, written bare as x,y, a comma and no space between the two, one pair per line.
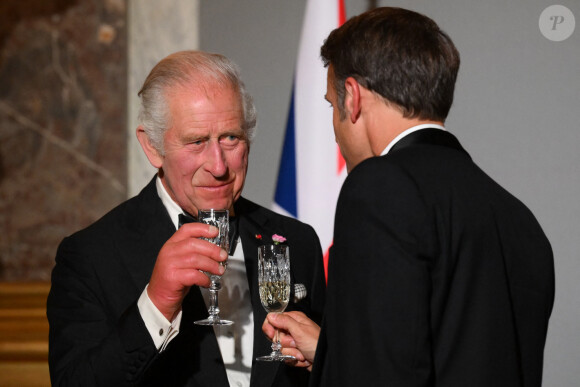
438,276
127,289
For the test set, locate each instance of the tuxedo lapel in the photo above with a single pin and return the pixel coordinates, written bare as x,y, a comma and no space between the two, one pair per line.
429,136
148,227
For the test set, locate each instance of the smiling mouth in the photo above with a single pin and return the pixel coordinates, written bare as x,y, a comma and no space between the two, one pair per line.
215,187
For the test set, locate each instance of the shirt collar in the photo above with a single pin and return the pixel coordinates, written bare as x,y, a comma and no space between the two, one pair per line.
407,132
172,208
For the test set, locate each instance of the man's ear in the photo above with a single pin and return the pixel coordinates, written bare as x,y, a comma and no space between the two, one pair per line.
151,152
352,102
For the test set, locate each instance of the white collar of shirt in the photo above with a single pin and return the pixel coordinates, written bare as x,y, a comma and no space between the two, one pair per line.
172,207
407,132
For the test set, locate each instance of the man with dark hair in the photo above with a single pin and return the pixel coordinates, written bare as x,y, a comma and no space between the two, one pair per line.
126,290
438,276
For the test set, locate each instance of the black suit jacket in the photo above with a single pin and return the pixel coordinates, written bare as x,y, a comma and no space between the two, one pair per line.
97,336
437,276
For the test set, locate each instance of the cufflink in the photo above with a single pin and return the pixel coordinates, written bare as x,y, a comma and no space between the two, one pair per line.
300,292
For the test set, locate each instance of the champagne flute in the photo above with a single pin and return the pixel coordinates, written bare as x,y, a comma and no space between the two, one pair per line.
219,219
274,285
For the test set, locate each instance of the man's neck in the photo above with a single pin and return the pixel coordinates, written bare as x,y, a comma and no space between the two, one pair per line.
409,131
389,124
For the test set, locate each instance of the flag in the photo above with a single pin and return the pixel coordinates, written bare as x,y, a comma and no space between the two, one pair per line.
311,168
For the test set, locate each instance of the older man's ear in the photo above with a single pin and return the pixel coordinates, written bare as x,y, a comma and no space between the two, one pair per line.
155,158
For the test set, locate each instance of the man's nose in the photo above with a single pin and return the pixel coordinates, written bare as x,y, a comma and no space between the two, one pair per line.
216,161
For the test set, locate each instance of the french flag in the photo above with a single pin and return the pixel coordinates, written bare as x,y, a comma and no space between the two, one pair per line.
312,169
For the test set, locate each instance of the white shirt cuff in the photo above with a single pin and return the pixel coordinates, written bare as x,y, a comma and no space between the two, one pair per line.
162,331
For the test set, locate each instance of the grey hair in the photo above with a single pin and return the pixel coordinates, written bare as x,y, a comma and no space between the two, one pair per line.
181,68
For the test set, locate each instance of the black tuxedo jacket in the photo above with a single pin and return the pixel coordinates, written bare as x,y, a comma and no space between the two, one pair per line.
97,336
437,276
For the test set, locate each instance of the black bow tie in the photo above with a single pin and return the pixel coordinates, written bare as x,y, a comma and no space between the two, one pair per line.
186,218
233,230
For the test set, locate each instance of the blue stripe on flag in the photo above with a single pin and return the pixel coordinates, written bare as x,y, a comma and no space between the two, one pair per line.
285,195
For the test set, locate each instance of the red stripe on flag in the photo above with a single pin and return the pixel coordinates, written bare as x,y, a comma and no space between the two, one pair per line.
341,12
340,163
341,19
325,261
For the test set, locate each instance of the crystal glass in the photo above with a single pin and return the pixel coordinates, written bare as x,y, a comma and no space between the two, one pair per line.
274,284
219,219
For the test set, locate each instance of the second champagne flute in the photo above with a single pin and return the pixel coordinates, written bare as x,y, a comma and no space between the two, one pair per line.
274,284
219,219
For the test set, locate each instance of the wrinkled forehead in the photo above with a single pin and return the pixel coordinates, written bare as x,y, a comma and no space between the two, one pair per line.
208,88
210,107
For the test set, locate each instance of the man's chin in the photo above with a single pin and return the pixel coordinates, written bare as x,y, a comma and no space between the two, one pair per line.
213,198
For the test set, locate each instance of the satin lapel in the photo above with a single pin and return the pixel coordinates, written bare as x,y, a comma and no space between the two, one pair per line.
429,136
248,232
253,222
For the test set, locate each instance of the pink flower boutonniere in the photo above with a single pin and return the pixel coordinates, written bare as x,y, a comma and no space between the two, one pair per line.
278,239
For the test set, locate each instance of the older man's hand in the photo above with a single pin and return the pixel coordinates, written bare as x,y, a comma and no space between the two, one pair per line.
180,265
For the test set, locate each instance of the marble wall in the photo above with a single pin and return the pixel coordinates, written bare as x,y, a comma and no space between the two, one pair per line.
63,93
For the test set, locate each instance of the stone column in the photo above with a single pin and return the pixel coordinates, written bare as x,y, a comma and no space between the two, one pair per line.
155,30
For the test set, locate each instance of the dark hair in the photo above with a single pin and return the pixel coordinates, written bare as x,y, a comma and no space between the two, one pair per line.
399,54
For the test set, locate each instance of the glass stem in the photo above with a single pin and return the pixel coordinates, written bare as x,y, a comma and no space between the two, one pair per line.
214,309
276,346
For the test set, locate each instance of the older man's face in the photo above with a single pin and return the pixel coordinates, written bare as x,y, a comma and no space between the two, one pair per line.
206,150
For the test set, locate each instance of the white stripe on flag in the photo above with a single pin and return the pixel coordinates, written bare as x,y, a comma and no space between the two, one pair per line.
317,178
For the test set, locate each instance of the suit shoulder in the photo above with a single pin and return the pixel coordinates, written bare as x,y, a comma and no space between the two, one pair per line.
125,215
105,222
373,166
375,172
